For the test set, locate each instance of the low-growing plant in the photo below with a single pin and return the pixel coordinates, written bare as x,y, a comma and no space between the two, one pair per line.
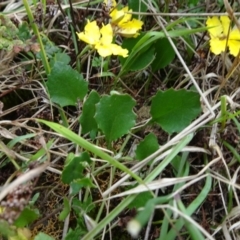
123,145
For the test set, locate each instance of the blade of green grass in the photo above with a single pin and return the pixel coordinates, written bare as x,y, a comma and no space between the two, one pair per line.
190,210
90,147
192,229
124,203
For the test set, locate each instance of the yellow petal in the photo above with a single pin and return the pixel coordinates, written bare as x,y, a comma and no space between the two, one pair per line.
107,34
127,16
130,29
216,28
217,46
234,47
91,34
103,50
226,24
118,50
234,35
117,15
85,38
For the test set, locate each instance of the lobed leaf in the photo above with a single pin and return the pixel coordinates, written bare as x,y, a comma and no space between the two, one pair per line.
115,116
174,110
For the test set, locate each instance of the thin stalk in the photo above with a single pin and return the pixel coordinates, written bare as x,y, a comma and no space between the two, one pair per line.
36,32
223,112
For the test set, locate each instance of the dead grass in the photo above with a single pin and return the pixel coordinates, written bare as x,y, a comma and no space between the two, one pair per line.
24,98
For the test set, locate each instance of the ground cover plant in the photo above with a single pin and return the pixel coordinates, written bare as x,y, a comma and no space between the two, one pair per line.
119,120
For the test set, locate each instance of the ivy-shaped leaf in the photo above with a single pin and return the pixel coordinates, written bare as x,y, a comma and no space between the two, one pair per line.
87,119
43,236
26,217
146,147
75,234
60,57
78,184
74,168
65,85
115,116
174,110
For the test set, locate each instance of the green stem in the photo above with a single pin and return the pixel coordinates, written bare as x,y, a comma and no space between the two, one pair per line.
36,32
8,152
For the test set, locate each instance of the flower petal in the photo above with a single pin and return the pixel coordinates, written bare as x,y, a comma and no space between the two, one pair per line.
117,15
217,46
234,35
216,28
226,24
127,16
91,34
107,34
234,47
130,29
103,50
118,50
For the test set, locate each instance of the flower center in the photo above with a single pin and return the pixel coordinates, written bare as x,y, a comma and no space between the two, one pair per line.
222,37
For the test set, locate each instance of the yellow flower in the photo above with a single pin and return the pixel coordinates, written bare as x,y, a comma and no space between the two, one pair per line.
116,15
91,34
101,40
122,23
130,29
222,35
127,15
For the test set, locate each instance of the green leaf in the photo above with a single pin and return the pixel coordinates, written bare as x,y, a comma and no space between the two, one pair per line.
26,217
78,184
87,119
146,147
164,54
87,205
60,57
42,152
74,168
176,163
137,6
66,210
144,41
24,32
142,58
65,85
43,236
6,230
115,116
140,200
174,110
75,138
98,62
75,234
50,48
34,198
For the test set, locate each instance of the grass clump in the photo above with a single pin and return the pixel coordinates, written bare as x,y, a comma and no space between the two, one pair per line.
119,120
